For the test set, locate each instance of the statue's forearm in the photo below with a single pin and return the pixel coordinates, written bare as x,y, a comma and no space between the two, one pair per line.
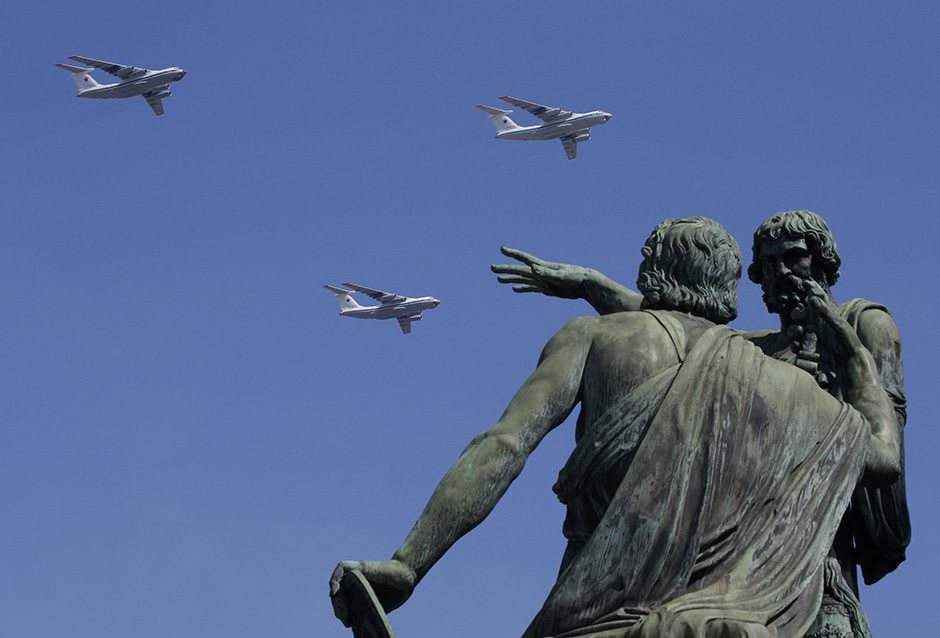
863,391
463,498
480,477
606,295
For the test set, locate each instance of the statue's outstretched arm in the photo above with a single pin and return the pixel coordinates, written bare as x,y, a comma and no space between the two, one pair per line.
567,281
485,469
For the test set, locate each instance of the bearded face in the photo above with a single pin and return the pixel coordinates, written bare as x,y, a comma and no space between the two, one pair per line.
784,262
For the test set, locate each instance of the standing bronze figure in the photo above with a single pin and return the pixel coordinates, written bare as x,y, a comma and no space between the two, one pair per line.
677,525
790,247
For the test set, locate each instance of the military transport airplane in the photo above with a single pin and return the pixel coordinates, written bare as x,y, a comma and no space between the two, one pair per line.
567,126
152,84
405,309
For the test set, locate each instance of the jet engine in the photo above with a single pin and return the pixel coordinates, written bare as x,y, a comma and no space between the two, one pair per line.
163,94
582,137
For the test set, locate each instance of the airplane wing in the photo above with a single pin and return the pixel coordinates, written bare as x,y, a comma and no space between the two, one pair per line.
379,295
120,70
154,100
571,146
405,323
544,113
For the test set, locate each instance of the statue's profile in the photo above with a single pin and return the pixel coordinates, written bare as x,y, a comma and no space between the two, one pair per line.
708,479
875,530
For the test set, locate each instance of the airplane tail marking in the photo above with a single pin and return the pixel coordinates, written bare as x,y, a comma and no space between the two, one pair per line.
345,298
499,118
81,76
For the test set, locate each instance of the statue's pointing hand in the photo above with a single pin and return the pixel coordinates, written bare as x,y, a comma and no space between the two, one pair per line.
391,580
537,275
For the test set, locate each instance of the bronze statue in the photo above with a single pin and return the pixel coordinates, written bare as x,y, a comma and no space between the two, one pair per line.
676,523
875,530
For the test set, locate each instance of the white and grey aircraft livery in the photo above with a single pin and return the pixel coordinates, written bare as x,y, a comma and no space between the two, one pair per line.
152,84
568,126
404,309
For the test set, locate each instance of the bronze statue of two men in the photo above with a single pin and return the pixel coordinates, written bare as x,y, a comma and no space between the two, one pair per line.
722,483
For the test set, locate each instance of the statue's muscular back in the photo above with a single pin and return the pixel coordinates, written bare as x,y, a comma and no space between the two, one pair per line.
628,348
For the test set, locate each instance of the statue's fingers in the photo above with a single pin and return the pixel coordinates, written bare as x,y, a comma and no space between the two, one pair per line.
340,571
546,268
797,282
526,289
336,595
340,610
335,578
820,306
521,255
511,269
813,288
515,280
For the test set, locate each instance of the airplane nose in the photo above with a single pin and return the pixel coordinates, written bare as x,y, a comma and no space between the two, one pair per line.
182,74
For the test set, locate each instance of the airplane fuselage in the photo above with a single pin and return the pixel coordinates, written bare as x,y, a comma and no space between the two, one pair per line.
139,85
407,308
554,130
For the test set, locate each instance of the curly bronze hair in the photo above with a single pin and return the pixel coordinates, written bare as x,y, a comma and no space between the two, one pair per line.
692,265
799,224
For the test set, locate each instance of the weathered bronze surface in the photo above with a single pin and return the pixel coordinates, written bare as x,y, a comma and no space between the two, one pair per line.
708,489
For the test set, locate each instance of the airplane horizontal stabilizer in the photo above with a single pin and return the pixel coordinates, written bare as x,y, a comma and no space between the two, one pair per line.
337,290
71,68
492,110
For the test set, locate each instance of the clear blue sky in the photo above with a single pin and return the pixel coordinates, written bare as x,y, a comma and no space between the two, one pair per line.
192,437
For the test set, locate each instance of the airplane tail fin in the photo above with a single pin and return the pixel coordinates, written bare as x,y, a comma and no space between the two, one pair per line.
81,76
345,298
499,118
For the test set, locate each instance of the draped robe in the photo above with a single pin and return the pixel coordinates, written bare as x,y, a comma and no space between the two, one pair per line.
881,524
704,501
876,529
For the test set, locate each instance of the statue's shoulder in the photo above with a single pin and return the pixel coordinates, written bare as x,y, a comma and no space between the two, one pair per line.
754,335
853,309
577,329
768,341
636,326
871,320
625,320
668,328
